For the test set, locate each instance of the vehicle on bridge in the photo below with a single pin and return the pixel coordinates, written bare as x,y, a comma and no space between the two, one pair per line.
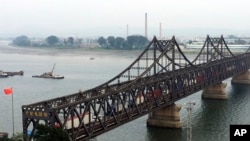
74,122
154,94
138,100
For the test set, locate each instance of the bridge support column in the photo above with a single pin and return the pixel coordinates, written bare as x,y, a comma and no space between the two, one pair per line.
168,117
216,91
243,78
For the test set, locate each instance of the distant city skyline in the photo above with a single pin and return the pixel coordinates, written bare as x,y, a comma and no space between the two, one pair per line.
41,18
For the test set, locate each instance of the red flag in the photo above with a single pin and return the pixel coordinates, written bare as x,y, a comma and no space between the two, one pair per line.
8,91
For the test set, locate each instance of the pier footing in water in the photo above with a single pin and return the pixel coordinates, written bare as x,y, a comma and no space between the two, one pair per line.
168,117
243,78
216,91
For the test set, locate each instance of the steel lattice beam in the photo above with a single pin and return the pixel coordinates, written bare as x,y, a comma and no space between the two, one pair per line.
161,75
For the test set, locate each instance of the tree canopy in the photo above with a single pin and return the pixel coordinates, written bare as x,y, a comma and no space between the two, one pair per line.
71,40
47,133
21,41
111,41
102,41
137,41
132,42
52,40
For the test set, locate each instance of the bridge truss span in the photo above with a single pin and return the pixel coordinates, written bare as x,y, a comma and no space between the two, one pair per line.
161,75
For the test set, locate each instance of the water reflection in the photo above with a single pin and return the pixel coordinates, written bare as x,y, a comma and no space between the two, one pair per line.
159,134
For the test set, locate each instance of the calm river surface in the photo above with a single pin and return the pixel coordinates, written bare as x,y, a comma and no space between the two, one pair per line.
210,118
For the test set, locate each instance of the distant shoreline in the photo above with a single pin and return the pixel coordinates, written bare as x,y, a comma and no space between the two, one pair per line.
185,50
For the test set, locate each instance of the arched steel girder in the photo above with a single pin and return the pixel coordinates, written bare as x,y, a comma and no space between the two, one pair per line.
158,57
213,49
146,95
158,90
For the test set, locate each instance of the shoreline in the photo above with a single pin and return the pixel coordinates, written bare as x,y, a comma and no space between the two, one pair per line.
83,50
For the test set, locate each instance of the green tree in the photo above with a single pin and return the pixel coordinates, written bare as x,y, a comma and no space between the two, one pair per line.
47,133
102,41
111,41
22,41
119,43
52,40
17,137
71,40
136,42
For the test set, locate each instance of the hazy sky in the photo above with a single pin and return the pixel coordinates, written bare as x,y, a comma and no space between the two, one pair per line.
111,17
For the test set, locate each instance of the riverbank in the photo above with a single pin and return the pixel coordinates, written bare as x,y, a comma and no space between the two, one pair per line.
84,51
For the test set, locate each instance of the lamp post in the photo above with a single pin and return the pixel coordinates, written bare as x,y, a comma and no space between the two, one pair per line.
189,107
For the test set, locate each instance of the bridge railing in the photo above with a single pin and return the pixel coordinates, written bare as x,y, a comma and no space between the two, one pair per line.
92,112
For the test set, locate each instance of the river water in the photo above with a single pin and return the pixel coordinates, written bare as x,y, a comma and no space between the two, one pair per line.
211,119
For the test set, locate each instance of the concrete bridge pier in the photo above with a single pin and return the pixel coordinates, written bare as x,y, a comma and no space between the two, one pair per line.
216,91
167,117
243,78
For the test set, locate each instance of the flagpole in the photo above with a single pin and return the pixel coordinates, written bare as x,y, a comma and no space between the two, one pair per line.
12,112
8,91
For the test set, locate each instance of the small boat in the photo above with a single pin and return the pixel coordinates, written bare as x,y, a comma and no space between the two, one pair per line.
49,75
3,74
14,73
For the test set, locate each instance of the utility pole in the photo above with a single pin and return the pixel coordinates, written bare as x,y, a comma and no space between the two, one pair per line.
127,30
160,31
189,107
146,25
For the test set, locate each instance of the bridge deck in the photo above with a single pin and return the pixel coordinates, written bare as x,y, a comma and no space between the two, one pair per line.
150,84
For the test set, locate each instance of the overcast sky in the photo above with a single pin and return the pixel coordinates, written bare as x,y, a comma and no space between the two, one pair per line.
111,17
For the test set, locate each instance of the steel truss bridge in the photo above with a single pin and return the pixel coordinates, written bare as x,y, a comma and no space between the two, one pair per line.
161,75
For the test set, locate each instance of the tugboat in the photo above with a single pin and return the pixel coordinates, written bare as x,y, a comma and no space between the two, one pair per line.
49,75
3,74
14,73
